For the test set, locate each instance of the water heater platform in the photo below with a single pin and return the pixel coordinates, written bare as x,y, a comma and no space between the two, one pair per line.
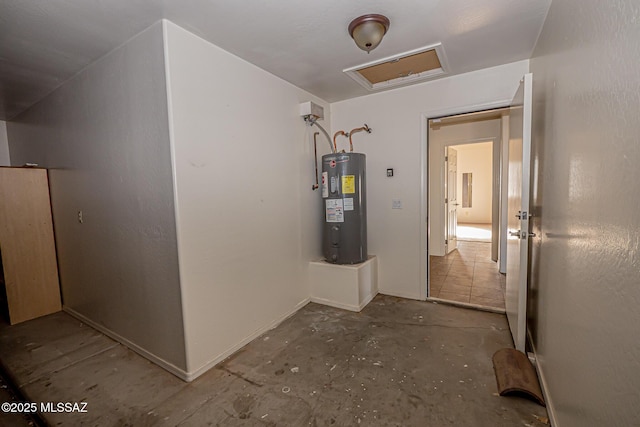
347,286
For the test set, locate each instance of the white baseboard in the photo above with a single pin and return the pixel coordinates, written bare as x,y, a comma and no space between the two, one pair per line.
367,300
178,372
192,375
400,295
184,375
343,306
543,385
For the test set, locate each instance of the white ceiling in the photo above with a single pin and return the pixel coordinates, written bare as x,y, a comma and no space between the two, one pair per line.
44,43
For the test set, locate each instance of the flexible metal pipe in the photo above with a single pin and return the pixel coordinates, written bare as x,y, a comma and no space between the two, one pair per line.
312,121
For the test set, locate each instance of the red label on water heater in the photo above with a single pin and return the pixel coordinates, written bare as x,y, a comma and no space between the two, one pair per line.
332,163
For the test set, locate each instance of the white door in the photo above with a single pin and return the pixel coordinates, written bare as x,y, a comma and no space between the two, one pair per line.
518,211
451,202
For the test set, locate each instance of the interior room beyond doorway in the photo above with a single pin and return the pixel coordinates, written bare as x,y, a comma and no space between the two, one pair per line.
474,232
464,162
474,182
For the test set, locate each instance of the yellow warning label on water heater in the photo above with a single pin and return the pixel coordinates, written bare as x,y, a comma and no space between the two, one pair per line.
348,184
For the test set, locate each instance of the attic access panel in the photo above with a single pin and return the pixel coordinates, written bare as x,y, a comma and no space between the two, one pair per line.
408,67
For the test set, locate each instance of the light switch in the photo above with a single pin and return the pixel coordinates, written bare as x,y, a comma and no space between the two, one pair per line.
396,204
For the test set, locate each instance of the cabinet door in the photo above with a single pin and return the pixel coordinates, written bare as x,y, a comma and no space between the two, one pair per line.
27,244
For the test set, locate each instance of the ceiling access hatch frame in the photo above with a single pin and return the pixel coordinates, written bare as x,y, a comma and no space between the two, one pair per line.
396,62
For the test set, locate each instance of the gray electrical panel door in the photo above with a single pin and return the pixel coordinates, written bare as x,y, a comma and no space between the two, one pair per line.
345,208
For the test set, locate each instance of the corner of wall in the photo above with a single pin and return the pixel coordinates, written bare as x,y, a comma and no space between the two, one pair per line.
172,148
5,158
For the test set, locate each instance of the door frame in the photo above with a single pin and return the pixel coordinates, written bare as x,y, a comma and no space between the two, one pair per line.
446,186
424,178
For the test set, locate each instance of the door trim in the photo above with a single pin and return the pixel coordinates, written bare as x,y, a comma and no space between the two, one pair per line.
424,175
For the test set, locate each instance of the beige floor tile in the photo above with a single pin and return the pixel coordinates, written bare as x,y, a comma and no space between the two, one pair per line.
487,275
441,269
470,263
436,260
460,274
486,283
437,279
485,268
449,296
458,281
456,289
487,302
461,268
487,293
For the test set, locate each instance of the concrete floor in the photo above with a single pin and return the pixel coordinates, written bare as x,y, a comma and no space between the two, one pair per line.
397,363
13,419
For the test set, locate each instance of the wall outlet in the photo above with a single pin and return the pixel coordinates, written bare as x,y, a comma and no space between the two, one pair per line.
396,204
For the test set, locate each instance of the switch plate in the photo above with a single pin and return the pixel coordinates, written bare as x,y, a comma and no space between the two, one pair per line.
389,173
396,204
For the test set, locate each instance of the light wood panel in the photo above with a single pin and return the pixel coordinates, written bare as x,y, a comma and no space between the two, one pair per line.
27,244
402,67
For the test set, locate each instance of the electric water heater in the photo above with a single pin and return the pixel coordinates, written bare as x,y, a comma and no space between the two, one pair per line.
345,208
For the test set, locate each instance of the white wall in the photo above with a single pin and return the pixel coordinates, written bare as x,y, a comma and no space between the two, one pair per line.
4,145
105,138
439,138
476,159
399,133
585,292
248,221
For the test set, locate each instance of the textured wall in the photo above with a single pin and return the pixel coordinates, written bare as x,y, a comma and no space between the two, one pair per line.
104,134
585,290
248,221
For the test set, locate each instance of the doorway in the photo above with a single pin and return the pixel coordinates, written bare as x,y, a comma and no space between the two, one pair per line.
474,182
464,153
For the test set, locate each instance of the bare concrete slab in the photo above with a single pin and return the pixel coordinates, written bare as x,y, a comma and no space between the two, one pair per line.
397,363
117,384
35,348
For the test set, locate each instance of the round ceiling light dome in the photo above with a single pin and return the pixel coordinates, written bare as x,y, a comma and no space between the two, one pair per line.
368,30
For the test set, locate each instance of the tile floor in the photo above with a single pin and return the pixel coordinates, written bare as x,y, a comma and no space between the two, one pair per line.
468,275
474,232
398,363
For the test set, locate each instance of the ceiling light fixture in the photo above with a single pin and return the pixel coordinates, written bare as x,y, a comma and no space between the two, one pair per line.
367,30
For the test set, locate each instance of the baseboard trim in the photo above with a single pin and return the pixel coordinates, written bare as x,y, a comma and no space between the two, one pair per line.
367,300
168,366
343,306
400,295
543,384
192,375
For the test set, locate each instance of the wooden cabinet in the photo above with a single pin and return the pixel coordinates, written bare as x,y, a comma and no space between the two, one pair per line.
27,244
